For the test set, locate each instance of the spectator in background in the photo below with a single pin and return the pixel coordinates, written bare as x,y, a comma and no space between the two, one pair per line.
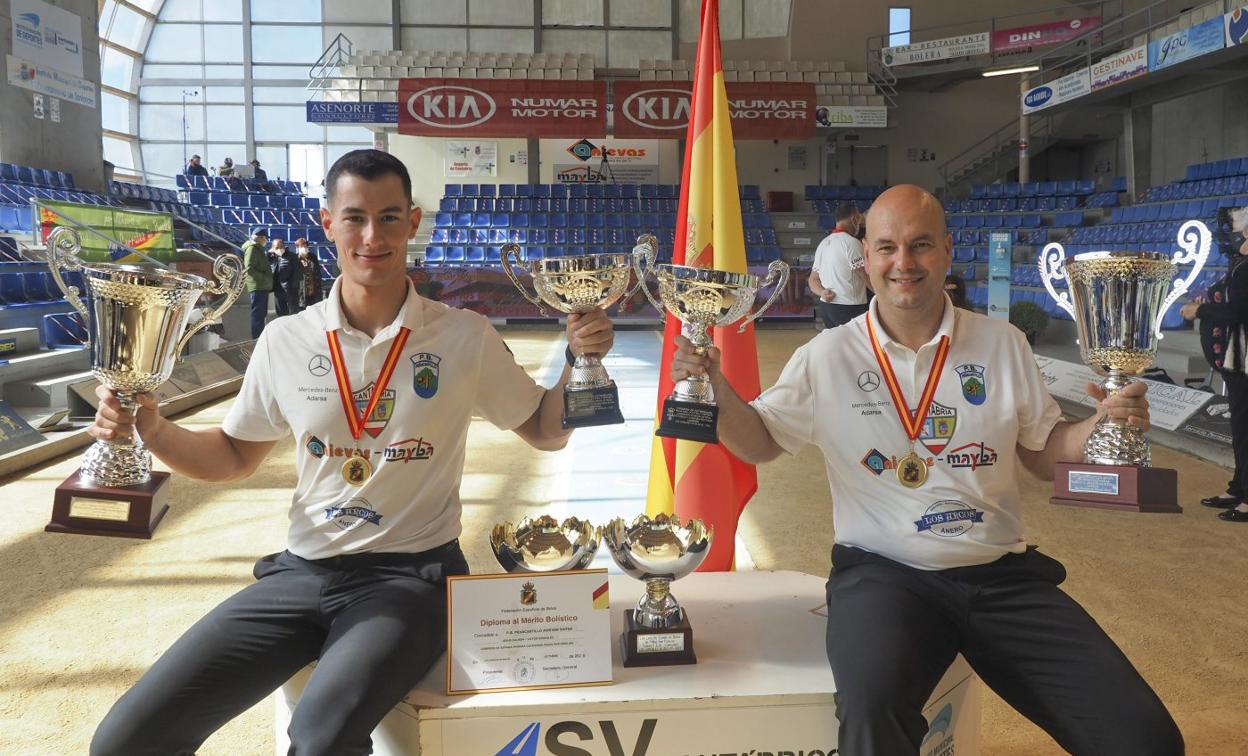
837,276
194,167
311,271
283,273
227,168
259,279
260,174
955,287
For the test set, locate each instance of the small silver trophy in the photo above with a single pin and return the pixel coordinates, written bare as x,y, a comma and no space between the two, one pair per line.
543,544
702,298
578,285
1117,300
137,320
657,550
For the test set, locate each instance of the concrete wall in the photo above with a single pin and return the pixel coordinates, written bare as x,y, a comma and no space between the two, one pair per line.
72,145
425,157
1199,128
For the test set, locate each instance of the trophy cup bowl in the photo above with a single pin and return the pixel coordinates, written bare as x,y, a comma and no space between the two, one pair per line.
1117,300
137,324
578,285
657,550
701,298
543,544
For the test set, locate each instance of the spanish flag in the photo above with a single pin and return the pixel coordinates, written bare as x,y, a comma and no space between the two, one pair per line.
689,478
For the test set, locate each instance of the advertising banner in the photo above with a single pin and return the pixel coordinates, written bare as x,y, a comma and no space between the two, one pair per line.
1170,405
470,159
617,161
1116,69
1057,91
353,112
851,116
49,81
1236,27
150,233
1040,35
779,110
47,36
1189,43
1212,421
937,49
502,108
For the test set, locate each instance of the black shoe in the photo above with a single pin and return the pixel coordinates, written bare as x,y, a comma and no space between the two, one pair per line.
1233,515
1220,502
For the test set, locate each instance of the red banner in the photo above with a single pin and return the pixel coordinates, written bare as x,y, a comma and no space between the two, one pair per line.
1027,37
660,109
502,108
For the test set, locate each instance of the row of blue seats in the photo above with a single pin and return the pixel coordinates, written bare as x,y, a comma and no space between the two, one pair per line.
24,174
1173,211
192,213
64,330
16,219
842,192
1182,190
970,254
573,205
1013,204
437,254
1217,169
234,234
1103,199
266,217
142,192
830,206
1078,187
314,234
563,220
569,235
996,221
21,194
598,191
975,236
234,184
34,287
9,251
260,201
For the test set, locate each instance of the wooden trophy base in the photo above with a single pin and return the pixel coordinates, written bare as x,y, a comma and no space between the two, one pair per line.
657,647
123,512
1121,487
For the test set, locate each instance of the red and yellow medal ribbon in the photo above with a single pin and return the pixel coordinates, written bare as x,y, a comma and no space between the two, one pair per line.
913,424
355,421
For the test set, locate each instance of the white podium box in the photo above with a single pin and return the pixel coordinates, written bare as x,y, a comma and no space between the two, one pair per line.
761,685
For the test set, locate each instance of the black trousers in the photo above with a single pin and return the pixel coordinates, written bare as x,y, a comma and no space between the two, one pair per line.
1237,395
893,632
376,622
834,315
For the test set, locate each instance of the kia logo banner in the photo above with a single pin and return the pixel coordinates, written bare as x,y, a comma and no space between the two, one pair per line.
653,109
502,108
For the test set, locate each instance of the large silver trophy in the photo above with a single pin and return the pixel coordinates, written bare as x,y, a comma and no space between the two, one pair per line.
702,298
657,550
543,544
1118,300
137,320
578,285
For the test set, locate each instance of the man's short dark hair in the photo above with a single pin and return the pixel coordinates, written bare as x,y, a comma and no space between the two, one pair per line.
369,165
845,211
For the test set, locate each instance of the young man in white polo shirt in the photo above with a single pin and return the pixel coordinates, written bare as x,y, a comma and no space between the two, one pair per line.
378,386
838,277
930,559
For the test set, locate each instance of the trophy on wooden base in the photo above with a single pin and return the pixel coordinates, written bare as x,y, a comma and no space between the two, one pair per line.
1119,300
138,317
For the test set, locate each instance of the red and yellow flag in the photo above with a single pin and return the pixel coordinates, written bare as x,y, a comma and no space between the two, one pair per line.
689,478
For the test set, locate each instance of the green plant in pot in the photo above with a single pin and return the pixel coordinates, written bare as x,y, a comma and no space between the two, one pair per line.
1030,318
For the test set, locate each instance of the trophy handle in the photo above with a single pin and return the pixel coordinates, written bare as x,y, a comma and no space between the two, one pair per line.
644,255
643,262
1053,268
513,250
63,246
1194,240
777,273
228,270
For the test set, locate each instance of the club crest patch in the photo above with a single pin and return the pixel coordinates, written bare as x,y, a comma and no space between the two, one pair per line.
948,519
425,369
375,423
938,428
974,390
353,513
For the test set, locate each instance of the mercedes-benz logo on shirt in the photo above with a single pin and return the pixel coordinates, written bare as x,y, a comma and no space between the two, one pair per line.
868,380
319,365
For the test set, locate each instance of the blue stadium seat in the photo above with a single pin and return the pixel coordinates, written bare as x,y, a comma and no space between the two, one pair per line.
12,292
455,254
534,252
475,254
435,253
486,190
468,190
64,330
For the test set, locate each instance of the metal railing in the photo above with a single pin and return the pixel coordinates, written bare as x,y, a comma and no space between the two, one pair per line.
336,55
992,147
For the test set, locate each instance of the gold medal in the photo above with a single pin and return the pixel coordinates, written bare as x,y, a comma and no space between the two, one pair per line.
356,471
911,470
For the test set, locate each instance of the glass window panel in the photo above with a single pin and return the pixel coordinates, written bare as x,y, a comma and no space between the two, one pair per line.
435,38
224,94
362,37
766,18
500,40
272,95
168,159
223,10
181,10
730,20
576,41
147,5
223,42
501,12
119,153
217,153
169,94
176,43
273,160
898,26
152,71
286,10
358,11
349,134
286,123
116,69
642,13
166,122
115,113
125,27
572,12
226,122
294,74
434,11
223,72
286,44
628,47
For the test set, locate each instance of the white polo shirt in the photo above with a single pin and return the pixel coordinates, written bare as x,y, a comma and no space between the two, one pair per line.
453,366
837,259
991,397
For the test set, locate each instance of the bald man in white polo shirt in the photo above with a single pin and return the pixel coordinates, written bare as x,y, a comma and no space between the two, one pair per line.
377,385
930,558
